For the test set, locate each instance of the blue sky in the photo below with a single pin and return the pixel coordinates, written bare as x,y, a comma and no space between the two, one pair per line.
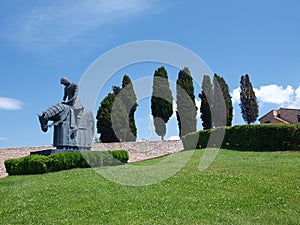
41,41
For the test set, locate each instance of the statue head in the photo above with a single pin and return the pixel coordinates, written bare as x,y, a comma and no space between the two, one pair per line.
65,81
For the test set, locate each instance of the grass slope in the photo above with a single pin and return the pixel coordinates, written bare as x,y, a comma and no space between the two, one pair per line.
238,188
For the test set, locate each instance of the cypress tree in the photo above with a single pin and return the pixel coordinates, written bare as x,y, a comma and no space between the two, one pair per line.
218,107
224,93
119,119
161,101
128,98
115,116
249,105
104,124
206,97
186,106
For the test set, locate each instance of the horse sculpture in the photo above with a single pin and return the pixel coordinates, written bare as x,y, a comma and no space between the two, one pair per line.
66,136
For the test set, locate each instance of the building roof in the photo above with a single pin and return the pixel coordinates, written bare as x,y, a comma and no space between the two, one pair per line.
266,114
277,111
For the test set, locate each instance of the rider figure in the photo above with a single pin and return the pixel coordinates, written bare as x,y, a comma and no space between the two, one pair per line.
71,98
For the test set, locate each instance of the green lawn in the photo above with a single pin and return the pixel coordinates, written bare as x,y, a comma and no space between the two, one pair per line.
238,188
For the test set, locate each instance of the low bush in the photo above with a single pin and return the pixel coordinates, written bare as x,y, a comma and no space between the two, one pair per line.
33,164
120,156
37,164
66,161
258,137
94,159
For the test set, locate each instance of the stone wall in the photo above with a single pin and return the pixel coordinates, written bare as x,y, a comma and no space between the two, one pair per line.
142,150
138,151
13,153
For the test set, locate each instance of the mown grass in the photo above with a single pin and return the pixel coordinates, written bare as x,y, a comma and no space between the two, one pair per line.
238,188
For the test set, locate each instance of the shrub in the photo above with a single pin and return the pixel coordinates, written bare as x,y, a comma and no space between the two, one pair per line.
66,161
94,159
120,156
98,159
190,141
33,164
37,164
13,166
259,137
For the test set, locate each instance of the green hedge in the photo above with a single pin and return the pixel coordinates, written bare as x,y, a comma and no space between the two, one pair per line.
38,164
258,137
34,164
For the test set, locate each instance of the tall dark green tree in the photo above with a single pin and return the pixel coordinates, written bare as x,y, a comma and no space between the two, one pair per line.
129,100
104,124
206,97
115,116
216,105
161,101
186,106
220,83
119,119
249,105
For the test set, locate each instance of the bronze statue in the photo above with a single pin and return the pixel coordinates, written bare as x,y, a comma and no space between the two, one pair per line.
71,98
73,124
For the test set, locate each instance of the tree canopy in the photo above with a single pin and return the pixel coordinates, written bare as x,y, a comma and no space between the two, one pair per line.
206,97
186,107
128,97
161,101
216,105
248,104
223,105
104,124
115,116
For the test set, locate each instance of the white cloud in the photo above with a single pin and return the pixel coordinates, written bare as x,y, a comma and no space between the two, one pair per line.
173,138
3,138
174,109
58,22
297,92
10,104
274,94
235,95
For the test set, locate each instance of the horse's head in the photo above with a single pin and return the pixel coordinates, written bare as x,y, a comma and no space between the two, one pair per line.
43,122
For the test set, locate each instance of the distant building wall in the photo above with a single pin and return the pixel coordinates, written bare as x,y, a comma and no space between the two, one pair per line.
283,115
290,115
269,117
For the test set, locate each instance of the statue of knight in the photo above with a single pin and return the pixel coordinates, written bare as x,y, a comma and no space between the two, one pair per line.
71,98
73,124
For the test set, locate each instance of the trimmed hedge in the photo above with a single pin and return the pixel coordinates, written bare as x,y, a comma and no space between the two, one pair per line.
38,164
258,137
34,164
